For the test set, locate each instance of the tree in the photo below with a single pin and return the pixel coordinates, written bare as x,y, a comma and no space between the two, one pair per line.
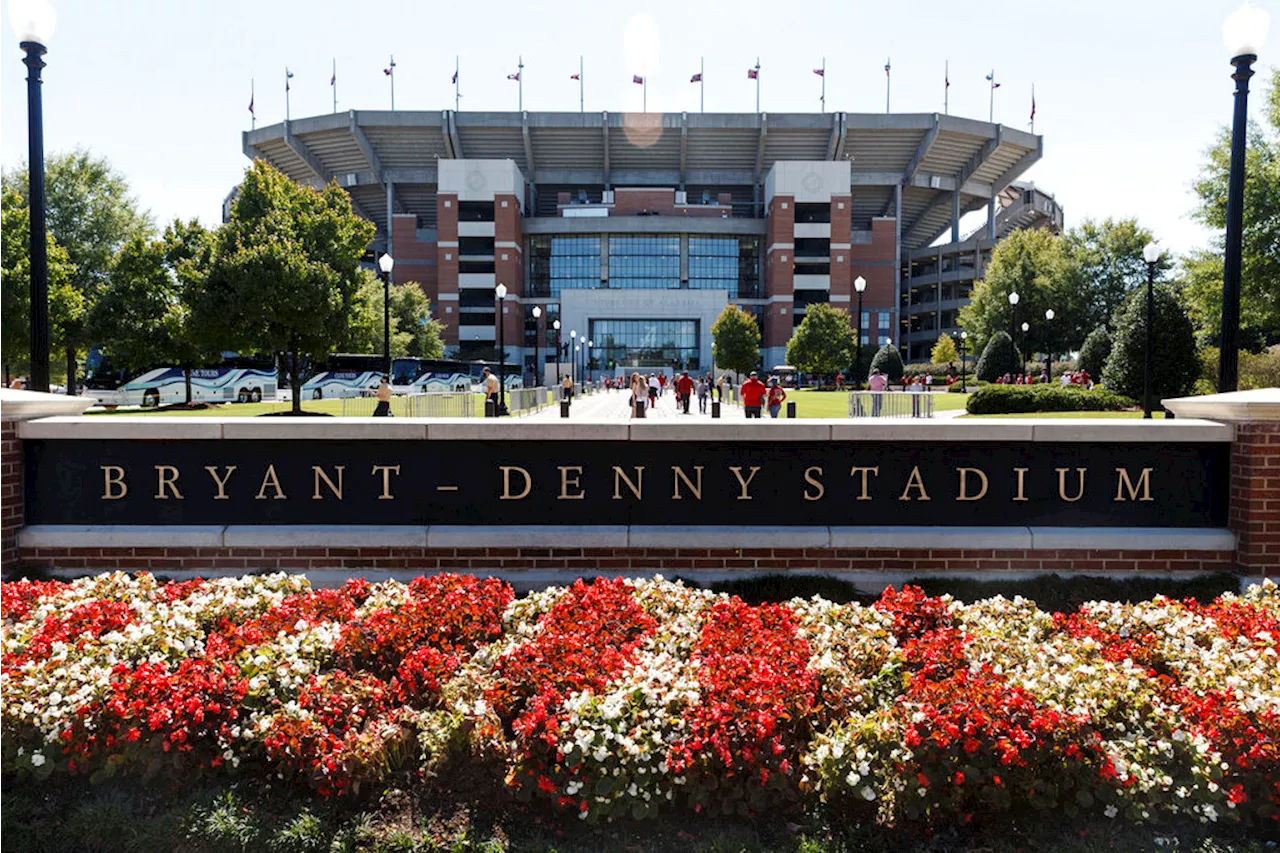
66,304
1174,365
998,358
944,351
735,340
888,361
91,214
414,332
285,270
1108,263
144,316
824,342
1260,260
1033,264
1094,353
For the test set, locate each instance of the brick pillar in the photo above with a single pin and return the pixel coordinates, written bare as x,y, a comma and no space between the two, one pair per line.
1255,496
11,499
447,265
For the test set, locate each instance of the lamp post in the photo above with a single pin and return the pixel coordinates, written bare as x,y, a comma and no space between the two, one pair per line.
1013,317
573,360
555,324
577,354
1244,32
1151,254
1048,352
385,263
33,21
964,342
537,378
501,292
1022,363
860,285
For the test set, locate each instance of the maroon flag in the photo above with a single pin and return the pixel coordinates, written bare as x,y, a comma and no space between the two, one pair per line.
515,76
333,81
1033,105
821,72
637,79
995,85
390,70
753,74
251,112
575,76
886,68
455,78
697,78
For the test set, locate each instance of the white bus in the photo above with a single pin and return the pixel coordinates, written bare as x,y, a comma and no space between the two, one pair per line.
162,386
344,375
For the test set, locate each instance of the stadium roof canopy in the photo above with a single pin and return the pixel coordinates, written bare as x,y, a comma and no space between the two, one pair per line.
927,154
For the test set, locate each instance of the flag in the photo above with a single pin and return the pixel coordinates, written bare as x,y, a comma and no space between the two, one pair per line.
515,76
992,78
697,78
821,72
251,112
390,70
946,80
455,78
995,85
1033,106
753,74
288,75
575,76
886,68
637,79
333,81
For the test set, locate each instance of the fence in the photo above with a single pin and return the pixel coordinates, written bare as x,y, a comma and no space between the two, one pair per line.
522,400
441,404
890,404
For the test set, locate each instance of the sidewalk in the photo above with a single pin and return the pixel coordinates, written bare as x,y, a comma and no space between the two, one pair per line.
616,405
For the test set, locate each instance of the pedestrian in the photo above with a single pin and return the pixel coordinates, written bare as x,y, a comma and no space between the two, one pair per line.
639,389
684,390
776,397
662,384
840,381
566,388
655,388
876,383
752,393
928,382
916,388
704,393
490,391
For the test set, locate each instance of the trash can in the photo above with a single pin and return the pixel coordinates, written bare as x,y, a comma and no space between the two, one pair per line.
490,408
715,408
640,404
791,409
564,408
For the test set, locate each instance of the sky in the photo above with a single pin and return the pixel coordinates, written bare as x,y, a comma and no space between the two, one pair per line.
1129,93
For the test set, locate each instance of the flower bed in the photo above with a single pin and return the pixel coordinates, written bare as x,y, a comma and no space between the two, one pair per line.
636,698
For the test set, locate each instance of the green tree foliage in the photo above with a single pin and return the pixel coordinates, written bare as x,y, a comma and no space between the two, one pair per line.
143,317
285,271
1260,267
91,214
735,340
944,351
414,332
1094,353
1174,365
998,358
1034,264
66,303
1107,261
824,342
889,362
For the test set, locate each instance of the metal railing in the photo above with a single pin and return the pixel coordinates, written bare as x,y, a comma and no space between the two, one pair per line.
890,404
435,404
522,400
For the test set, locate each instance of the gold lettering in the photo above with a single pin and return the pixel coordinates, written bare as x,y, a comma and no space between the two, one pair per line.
808,478
221,483
565,483
270,479
1062,484
167,481
112,476
964,484
387,471
737,472
1021,472
506,483
319,475
619,477
1123,482
875,472
678,474
915,480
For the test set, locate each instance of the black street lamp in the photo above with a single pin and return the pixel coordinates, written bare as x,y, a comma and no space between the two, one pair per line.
385,263
556,325
1022,363
573,356
33,21
537,313
860,285
587,360
1048,352
1013,318
964,343
1150,254
501,292
1244,32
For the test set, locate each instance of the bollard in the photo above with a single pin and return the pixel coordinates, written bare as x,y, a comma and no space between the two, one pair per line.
715,408
791,409
640,404
564,408
490,408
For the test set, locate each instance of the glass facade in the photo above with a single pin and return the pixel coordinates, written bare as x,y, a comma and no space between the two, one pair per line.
563,263
649,263
713,264
645,343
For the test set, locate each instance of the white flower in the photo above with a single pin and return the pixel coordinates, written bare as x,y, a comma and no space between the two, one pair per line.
1111,811
867,793
37,759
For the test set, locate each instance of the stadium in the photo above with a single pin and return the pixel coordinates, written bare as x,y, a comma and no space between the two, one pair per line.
634,230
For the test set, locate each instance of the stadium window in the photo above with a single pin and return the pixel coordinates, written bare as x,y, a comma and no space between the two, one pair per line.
810,212
475,211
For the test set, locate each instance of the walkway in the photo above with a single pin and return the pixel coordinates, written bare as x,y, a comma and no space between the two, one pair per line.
615,405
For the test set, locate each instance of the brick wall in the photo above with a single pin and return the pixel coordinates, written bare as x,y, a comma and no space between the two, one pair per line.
508,264
1255,494
447,264
11,501
644,560
415,259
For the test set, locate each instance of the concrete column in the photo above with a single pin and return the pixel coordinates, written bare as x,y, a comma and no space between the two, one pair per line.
991,219
955,216
684,260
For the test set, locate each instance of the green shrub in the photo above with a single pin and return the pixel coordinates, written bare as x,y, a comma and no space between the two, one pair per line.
1006,399
1174,365
1094,352
998,358
888,362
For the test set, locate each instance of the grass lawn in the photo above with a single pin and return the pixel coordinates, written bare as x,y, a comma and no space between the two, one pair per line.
356,407
835,404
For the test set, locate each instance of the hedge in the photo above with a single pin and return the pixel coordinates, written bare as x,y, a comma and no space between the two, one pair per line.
1006,399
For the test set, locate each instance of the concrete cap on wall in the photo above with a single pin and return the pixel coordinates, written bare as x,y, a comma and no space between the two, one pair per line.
1262,404
18,405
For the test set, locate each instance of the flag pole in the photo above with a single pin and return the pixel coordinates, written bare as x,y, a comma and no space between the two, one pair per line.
253,117
887,83
823,97
991,112
333,83
582,97
757,84
287,75
644,94
1033,107
520,82
946,88
702,85
457,96
391,72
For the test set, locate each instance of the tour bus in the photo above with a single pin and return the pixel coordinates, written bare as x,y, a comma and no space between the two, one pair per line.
236,380
447,375
347,375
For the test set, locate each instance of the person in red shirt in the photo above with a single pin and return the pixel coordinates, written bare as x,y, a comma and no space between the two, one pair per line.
684,390
662,383
752,393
